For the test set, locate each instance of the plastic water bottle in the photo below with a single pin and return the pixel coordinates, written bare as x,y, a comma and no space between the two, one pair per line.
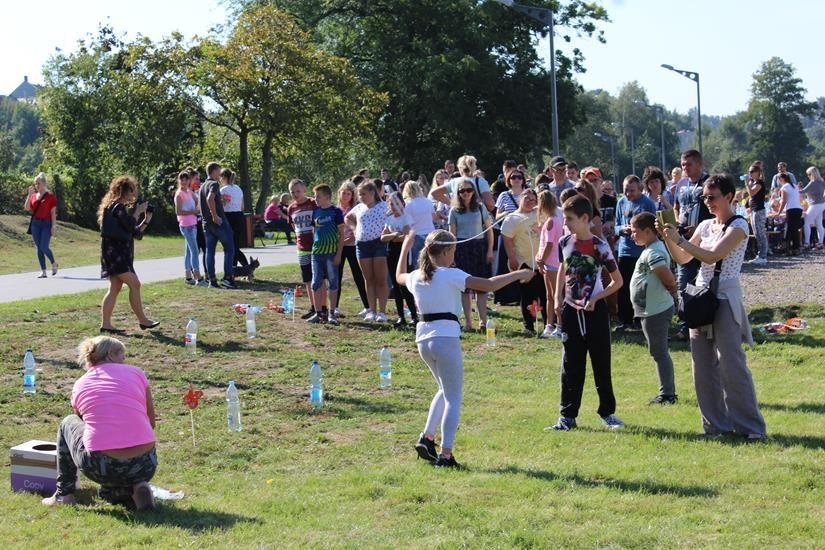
385,367
316,386
233,407
250,322
491,332
29,373
288,301
190,341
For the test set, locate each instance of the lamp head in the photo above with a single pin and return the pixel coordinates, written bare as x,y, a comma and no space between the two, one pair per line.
508,3
666,66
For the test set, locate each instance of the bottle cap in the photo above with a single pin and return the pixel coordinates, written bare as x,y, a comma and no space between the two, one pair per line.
231,382
28,349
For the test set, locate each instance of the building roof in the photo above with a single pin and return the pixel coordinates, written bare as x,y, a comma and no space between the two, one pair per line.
26,90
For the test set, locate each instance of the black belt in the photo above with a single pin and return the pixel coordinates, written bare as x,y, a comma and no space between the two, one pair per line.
427,317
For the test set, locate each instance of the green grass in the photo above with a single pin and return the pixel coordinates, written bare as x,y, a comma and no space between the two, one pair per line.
347,476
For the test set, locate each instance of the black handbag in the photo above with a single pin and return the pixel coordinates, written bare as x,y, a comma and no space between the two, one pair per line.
34,211
698,304
111,227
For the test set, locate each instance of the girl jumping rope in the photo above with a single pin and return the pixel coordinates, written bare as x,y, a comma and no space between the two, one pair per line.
437,289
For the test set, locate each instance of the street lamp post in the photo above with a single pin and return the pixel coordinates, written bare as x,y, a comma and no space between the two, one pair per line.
545,16
694,76
609,140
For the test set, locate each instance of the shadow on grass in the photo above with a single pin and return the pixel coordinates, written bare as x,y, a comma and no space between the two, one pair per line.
782,440
192,519
232,346
60,363
276,287
356,406
818,408
768,314
649,487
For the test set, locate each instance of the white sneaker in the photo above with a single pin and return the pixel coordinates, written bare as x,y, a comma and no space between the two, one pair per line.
758,261
363,313
369,316
613,422
557,333
380,317
548,331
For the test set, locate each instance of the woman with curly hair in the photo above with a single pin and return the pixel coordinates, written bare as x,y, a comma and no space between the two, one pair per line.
118,231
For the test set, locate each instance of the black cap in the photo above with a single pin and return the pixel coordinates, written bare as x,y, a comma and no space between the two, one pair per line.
557,161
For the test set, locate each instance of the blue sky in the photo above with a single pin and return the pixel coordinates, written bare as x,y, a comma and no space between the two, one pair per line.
723,40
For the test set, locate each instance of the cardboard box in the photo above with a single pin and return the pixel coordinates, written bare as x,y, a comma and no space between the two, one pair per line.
34,467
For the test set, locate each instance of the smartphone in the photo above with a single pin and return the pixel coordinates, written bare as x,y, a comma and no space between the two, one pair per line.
667,217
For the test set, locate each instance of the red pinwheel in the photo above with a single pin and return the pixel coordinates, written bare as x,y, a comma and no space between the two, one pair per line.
190,399
535,308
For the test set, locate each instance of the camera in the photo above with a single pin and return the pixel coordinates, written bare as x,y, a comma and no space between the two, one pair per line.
150,208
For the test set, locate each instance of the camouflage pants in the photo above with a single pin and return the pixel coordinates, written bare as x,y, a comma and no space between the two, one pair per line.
115,476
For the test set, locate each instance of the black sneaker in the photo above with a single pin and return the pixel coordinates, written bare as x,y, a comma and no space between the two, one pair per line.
213,284
227,283
621,327
447,462
664,400
426,449
308,314
190,281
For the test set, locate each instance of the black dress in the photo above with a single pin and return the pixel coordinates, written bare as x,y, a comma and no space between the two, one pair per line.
118,256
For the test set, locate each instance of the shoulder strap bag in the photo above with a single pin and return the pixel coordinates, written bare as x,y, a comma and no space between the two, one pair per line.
34,211
698,305
111,227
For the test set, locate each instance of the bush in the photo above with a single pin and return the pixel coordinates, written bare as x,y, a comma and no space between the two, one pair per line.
13,192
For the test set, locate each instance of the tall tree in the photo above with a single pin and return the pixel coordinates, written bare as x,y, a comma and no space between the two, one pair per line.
461,75
777,103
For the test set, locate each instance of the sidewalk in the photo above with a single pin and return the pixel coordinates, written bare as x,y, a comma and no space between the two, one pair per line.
25,286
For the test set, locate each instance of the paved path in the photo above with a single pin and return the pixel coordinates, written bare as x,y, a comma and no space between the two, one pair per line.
24,286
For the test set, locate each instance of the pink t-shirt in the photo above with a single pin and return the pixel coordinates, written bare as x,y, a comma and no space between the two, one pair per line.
111,398
551,236
187,203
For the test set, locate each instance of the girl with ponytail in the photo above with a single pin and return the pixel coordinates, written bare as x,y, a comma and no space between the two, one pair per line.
437,289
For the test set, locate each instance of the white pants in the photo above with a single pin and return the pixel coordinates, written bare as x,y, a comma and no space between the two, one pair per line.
813,218
443,356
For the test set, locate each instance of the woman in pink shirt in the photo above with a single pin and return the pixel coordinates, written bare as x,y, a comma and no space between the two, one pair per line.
187,210
110,437
547,256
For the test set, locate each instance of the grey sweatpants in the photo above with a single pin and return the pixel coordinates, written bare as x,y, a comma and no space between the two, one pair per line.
655,329
443,356
724,386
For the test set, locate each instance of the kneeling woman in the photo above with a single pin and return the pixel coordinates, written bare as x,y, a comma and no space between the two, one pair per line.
110,437
437,289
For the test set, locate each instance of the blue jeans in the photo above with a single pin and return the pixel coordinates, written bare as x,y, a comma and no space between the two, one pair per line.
415,251
686,274
213,234
191,261
41,235
323,268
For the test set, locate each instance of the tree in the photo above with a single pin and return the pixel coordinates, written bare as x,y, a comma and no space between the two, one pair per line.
110,109
777,103
270,79
461,75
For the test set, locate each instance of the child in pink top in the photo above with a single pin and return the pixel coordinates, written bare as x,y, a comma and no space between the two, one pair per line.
111,437
547,257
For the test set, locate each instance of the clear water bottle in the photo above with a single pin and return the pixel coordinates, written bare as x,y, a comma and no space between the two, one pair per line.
316,386
385,367
190,341
491,332
250,322
233,407
29,373
288,301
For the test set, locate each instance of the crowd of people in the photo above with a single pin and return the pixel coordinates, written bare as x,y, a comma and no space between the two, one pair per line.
568,248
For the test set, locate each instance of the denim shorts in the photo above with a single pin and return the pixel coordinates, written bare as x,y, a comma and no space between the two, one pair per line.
365,250
323,268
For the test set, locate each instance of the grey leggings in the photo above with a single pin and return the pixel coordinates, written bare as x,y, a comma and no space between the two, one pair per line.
443,356
655,329
758,218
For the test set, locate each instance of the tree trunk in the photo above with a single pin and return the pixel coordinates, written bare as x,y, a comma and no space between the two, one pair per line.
266,173
243,168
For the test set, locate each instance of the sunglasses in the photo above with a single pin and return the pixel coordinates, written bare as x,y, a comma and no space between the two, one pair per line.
711,198
517,177
466,190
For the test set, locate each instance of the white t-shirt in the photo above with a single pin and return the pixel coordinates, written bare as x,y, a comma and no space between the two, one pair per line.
370,220
235,194
397,223
711,232
483,185
420,210
793,196
442,294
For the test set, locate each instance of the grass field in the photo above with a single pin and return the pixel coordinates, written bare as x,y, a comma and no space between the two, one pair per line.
348,477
